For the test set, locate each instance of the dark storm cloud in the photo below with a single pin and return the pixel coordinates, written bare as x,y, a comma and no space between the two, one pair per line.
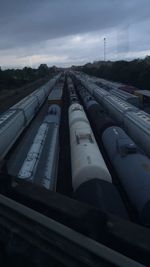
24,22
28,23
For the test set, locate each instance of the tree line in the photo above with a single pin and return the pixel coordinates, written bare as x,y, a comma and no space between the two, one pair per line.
135,72
14,78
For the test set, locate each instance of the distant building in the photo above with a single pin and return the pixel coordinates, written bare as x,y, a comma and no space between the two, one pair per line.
144,96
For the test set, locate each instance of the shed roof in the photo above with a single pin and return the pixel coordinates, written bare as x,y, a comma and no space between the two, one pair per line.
143,92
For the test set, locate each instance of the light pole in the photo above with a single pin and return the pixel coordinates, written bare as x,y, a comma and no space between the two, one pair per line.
104,49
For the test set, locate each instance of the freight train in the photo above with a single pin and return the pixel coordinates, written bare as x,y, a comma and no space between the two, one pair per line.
117,90
125,90
17,118
96,113
40,227
91,180
40,165
135,121
130,164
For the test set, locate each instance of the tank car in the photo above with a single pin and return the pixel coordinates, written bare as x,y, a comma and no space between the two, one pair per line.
102,195
96,113
133,169
86,159
95,191
114,105
99,119
91,179
135,121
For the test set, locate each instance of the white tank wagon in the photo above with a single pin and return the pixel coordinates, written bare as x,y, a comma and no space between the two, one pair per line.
137,125
16,119
86,159
40,165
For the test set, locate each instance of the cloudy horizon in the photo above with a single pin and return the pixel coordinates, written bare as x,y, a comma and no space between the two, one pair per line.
68,32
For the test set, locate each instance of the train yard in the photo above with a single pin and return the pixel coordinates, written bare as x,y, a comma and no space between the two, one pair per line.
75,137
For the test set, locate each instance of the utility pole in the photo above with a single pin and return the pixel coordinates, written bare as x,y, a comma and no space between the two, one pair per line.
104,49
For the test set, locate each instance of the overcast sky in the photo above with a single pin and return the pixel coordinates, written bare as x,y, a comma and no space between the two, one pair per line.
66,32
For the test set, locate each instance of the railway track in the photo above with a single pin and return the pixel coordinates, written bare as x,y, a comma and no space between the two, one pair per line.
63,146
